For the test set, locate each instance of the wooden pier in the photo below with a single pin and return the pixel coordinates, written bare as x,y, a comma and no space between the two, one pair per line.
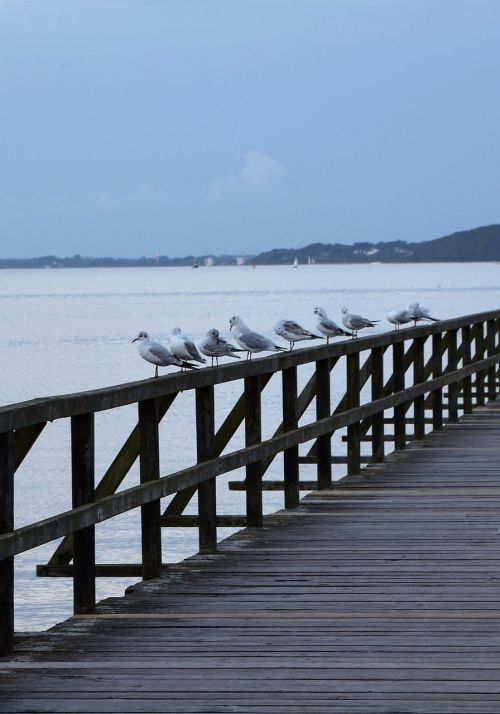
379,593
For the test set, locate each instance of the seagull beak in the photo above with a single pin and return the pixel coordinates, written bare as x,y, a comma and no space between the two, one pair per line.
134,340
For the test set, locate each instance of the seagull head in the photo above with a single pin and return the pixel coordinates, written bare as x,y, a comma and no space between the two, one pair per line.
236,323
141,337
176,331
344,310
319,312
213,333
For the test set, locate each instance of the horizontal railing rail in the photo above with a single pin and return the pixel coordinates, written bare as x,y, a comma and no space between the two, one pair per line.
461,349
46,409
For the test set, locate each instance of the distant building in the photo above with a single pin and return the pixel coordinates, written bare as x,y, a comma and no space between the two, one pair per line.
240,260
208,261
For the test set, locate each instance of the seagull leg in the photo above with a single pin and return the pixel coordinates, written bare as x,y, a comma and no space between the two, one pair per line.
156,371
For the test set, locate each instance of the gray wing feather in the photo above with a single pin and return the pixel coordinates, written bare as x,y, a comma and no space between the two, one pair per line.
294,327
256,341
329,324
192,349
163,354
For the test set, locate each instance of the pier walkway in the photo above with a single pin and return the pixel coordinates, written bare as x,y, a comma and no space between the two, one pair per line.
380,595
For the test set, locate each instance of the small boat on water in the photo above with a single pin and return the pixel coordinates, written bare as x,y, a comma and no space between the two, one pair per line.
296,263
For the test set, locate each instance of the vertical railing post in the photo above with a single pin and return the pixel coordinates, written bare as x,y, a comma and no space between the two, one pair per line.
323,443
82,470
353,401
491,346
479,354
497,347
253,435
205,448
466,359
149,452
451,367
437,371
398,355
6,525
377,383
290,421
418,378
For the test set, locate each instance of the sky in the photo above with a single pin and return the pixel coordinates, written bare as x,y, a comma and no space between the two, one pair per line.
137,127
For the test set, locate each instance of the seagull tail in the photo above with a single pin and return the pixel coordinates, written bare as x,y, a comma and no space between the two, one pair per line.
188,365
347,334
280,349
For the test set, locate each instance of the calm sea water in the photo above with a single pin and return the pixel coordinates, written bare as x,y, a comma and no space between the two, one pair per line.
70,330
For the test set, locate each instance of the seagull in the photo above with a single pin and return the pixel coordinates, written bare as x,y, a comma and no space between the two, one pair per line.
249,340
420,313
158,354
356,322
399,317
215,346
184,348
328,327
293,332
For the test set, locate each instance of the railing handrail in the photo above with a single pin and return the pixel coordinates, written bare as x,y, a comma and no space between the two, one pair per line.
44,409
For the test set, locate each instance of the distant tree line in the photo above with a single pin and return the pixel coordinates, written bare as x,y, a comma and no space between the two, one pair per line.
478,244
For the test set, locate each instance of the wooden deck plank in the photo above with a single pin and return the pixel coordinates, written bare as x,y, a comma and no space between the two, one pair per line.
379,595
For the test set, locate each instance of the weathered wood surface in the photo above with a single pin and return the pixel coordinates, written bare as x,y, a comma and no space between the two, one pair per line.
381,595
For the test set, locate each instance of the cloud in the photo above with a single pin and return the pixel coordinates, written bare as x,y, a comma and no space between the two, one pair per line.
259,171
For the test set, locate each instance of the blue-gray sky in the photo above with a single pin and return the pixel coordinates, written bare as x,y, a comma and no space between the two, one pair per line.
131,127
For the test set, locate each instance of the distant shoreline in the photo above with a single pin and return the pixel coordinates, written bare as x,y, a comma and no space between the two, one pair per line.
245,265
478,245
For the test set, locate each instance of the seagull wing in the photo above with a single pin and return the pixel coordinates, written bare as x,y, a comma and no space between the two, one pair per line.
192,350
162,354
294,328
255,341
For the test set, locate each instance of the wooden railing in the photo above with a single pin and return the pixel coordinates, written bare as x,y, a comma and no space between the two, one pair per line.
461,355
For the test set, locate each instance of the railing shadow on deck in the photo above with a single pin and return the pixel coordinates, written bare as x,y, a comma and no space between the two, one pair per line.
463,356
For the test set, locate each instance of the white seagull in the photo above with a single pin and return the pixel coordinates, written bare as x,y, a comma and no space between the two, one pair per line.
328,327
356,322
420,313
184,348
293,332
399,317
158,354
249,340
214,346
